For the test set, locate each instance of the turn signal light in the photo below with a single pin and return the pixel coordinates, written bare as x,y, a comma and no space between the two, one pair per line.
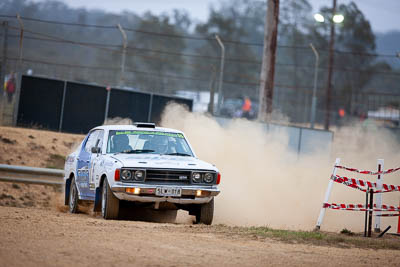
219,178
117,175
198,193
134,190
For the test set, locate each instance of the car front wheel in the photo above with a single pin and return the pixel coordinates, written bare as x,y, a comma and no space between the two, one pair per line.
205,213
109,203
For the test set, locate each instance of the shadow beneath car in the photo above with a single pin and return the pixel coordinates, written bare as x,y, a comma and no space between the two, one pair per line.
130,211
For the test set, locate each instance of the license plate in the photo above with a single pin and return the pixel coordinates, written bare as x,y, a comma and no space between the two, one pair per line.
168,191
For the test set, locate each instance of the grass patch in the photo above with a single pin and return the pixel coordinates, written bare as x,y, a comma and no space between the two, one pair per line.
346,232
344,240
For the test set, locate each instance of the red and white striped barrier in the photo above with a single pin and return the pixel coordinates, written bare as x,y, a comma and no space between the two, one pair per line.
368,172
357,184
359,207
364,186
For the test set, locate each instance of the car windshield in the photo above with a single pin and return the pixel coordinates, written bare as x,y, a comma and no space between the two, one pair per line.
143,142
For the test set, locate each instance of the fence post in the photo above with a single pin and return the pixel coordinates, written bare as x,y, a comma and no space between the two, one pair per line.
124,45
19,73
326,199
150,108
62,106
379,182
398,222
299,146
3,70
108,88
212,91
366,212
371,207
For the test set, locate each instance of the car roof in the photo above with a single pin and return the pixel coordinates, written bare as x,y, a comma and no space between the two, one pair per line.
134,127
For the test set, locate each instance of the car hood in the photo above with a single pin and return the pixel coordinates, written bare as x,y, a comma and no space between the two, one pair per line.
162,161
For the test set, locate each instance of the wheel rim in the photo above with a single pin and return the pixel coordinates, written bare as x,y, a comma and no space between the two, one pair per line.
103,199
72,197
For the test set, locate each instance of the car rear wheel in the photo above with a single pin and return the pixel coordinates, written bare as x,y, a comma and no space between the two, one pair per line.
73,197
205,213
109,203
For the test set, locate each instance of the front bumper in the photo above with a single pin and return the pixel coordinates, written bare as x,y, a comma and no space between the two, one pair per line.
147,194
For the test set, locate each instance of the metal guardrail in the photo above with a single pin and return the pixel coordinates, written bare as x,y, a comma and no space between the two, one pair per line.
31,175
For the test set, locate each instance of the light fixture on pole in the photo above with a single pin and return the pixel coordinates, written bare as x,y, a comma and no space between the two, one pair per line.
338,18
319,18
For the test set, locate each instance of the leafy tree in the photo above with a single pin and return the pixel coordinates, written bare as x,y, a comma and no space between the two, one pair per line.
232,22
152,61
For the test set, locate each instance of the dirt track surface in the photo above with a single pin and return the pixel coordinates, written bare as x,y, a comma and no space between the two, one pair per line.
35,230
46,237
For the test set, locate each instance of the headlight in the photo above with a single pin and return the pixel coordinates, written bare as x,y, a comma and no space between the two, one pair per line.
208,177
126,175
139,175
196,177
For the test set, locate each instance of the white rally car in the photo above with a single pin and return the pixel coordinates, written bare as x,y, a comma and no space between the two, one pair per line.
152,166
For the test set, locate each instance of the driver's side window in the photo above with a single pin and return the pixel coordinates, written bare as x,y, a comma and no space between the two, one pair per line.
91,141
99,139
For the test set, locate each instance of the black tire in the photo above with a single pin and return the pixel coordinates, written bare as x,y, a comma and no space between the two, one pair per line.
109,202
205,213
73,197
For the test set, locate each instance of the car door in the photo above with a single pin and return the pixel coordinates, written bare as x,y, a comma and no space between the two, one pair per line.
96,163
83,166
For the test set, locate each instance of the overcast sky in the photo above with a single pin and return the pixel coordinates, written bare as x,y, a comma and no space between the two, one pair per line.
382,14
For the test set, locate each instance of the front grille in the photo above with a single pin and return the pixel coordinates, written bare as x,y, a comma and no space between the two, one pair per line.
165,176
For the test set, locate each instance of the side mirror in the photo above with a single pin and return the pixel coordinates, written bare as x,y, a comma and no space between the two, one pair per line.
95,150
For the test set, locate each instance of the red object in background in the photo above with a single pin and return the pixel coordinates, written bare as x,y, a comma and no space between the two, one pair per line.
10,85
108,88
246,105
342,112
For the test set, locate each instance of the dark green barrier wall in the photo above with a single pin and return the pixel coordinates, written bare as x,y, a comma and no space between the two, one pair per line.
78,107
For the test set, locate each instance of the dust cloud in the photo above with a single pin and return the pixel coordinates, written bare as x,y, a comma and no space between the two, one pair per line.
264,183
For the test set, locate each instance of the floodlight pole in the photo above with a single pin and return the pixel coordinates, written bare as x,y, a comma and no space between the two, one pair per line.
330,67
314,95
266,91
124,45
221,73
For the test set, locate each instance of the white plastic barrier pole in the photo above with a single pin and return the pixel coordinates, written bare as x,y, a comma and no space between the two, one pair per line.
379,182
327,195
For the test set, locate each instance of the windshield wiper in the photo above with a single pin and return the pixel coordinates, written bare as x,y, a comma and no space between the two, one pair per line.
137,151
178,154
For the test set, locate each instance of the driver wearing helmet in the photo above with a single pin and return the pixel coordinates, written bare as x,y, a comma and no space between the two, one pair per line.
160,144
120,143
